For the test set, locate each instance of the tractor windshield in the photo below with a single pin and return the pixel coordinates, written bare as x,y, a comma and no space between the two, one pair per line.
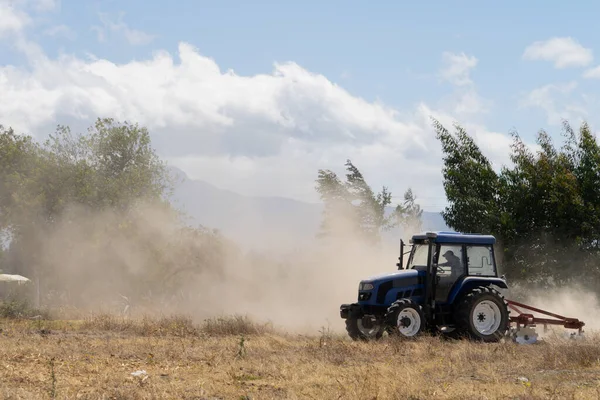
418,256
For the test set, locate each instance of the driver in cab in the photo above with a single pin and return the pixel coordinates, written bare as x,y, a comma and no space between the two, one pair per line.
453,262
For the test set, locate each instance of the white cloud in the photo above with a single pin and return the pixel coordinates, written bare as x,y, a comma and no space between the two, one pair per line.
12,18
557,101
457,68
564,52
592,73
465,101
60,30
195,94
133,36
15,15
44,5
262,134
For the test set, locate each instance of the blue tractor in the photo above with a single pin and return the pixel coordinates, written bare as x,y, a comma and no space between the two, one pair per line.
447,286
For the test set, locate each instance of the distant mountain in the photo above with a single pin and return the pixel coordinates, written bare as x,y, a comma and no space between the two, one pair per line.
261,222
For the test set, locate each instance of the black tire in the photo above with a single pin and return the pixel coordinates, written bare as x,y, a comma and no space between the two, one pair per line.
354,331
418,316
466,307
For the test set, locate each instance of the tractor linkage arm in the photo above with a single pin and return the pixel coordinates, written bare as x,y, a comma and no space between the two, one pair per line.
529,319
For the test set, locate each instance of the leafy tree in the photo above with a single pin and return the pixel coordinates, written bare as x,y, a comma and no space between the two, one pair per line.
337,213
352,207
471,184
112,166
369,207
409,213
586,162
18,163
544,209
71,179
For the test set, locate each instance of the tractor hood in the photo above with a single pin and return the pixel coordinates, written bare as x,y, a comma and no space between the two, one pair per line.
407,273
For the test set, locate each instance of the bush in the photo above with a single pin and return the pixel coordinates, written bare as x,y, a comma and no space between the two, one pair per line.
16,309
235,325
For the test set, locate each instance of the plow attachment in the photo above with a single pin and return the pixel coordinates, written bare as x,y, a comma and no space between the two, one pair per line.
526,321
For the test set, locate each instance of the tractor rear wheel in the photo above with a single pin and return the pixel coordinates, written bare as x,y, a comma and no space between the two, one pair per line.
405,318
482,314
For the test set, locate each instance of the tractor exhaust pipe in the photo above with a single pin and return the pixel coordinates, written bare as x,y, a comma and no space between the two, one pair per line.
400,263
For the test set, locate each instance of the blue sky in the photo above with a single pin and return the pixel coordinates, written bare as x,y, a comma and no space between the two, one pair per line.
513,65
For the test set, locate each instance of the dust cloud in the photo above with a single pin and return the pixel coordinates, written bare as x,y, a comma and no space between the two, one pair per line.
572,301
145,261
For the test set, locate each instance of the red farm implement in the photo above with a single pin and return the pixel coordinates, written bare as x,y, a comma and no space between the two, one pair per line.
526,321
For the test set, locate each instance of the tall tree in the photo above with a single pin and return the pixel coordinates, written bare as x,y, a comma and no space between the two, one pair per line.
352,208
545,208
338,214
19,156
471,184
75,178
409,213
587,173
112,166
370,207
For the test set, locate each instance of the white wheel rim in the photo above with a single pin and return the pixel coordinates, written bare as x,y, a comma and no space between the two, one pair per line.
365,331
408,322
486,317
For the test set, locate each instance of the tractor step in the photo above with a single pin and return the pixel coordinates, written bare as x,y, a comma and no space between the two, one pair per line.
446,328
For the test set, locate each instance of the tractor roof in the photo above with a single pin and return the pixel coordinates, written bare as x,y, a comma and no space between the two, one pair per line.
456,237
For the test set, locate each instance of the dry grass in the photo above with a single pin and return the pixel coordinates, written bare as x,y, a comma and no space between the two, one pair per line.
235,358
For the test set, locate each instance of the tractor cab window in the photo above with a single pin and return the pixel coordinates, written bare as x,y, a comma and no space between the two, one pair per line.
418,257
450,262
480,260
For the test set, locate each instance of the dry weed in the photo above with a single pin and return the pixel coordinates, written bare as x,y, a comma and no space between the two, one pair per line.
234,358
236,325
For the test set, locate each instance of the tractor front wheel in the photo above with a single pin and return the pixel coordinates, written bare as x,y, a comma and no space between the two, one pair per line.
405,318
358,330
482,314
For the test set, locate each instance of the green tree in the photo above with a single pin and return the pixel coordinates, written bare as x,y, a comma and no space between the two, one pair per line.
113,166
19,156
338,218
472,186
352,207
370,207
586,160
544,209
73,178
409,213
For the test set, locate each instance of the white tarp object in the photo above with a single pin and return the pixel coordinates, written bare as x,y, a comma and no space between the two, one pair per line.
13,278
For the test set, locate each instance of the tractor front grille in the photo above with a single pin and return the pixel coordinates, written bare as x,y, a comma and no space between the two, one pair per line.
364,296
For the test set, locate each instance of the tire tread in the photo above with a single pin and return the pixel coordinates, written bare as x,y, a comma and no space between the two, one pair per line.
394,309
463,313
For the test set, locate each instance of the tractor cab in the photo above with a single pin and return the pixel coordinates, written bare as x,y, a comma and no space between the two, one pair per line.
449,258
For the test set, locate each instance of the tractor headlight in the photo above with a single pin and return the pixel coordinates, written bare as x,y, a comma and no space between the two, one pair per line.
365,286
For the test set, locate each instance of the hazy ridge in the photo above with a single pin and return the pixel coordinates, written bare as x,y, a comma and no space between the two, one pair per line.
285,222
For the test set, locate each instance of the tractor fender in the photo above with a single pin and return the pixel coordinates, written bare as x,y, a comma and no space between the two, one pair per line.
471,282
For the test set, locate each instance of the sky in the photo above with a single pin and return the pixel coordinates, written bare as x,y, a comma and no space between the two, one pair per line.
255,97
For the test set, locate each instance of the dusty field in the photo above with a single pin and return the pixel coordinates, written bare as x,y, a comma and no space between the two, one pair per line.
95,359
